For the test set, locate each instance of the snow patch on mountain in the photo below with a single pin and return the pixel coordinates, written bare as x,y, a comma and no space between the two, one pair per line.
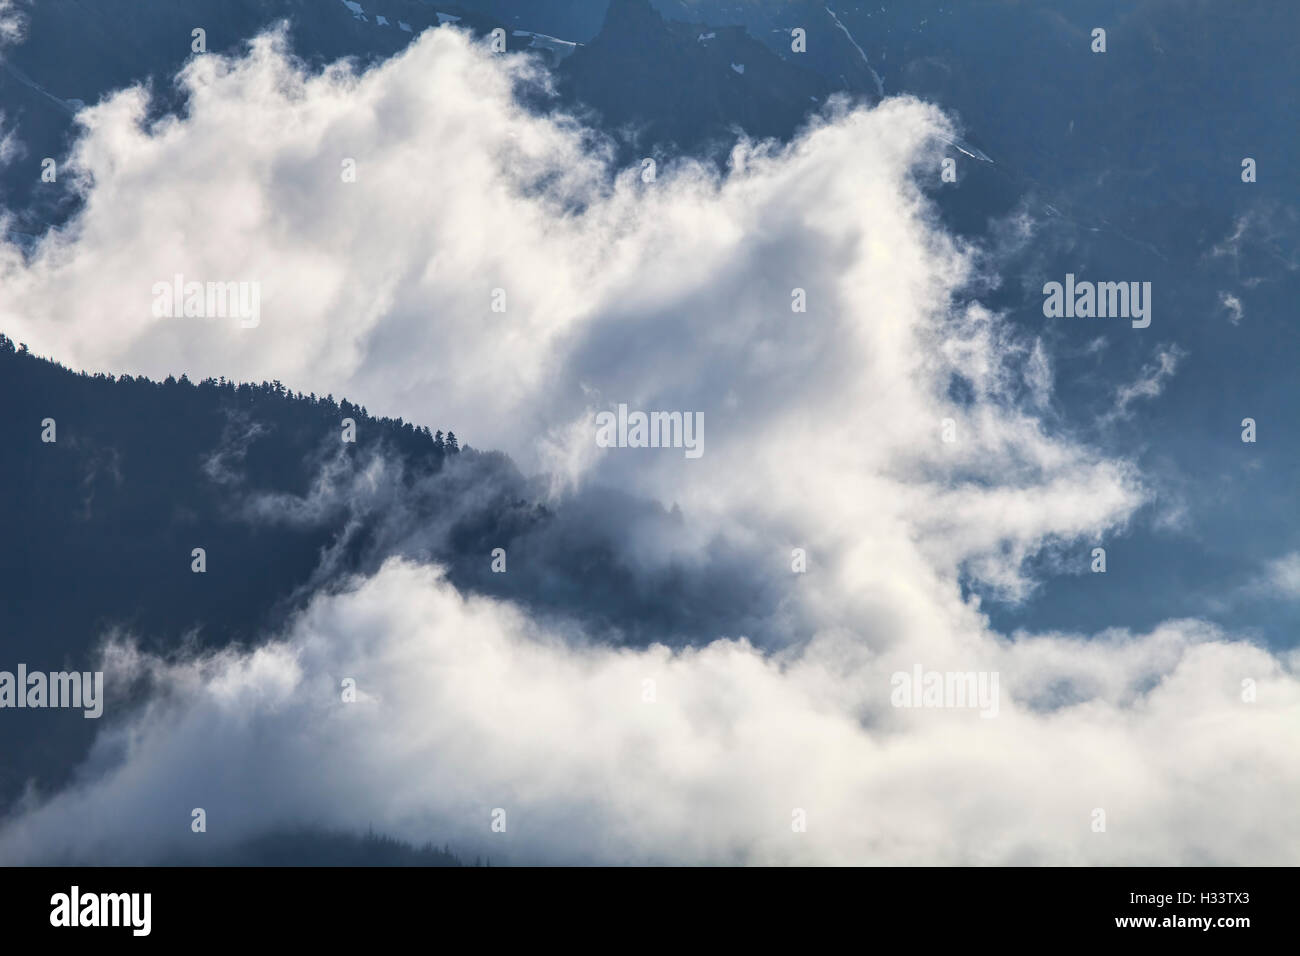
880,84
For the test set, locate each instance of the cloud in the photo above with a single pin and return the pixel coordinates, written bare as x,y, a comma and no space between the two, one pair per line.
1150,382
1234,307
12,22
1282,577
897,432
675,295
1261,246
465,706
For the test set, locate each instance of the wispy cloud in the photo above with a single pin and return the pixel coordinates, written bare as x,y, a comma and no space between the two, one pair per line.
1150,382
1233,305
1282,576
13,22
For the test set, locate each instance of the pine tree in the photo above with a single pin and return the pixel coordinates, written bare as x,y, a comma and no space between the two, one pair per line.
452,445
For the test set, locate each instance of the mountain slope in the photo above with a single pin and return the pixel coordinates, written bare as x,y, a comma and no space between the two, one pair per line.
665,82
98,529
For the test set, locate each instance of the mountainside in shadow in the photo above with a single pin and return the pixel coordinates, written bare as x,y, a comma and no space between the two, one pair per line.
831,51
659,82
319,847
108,484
